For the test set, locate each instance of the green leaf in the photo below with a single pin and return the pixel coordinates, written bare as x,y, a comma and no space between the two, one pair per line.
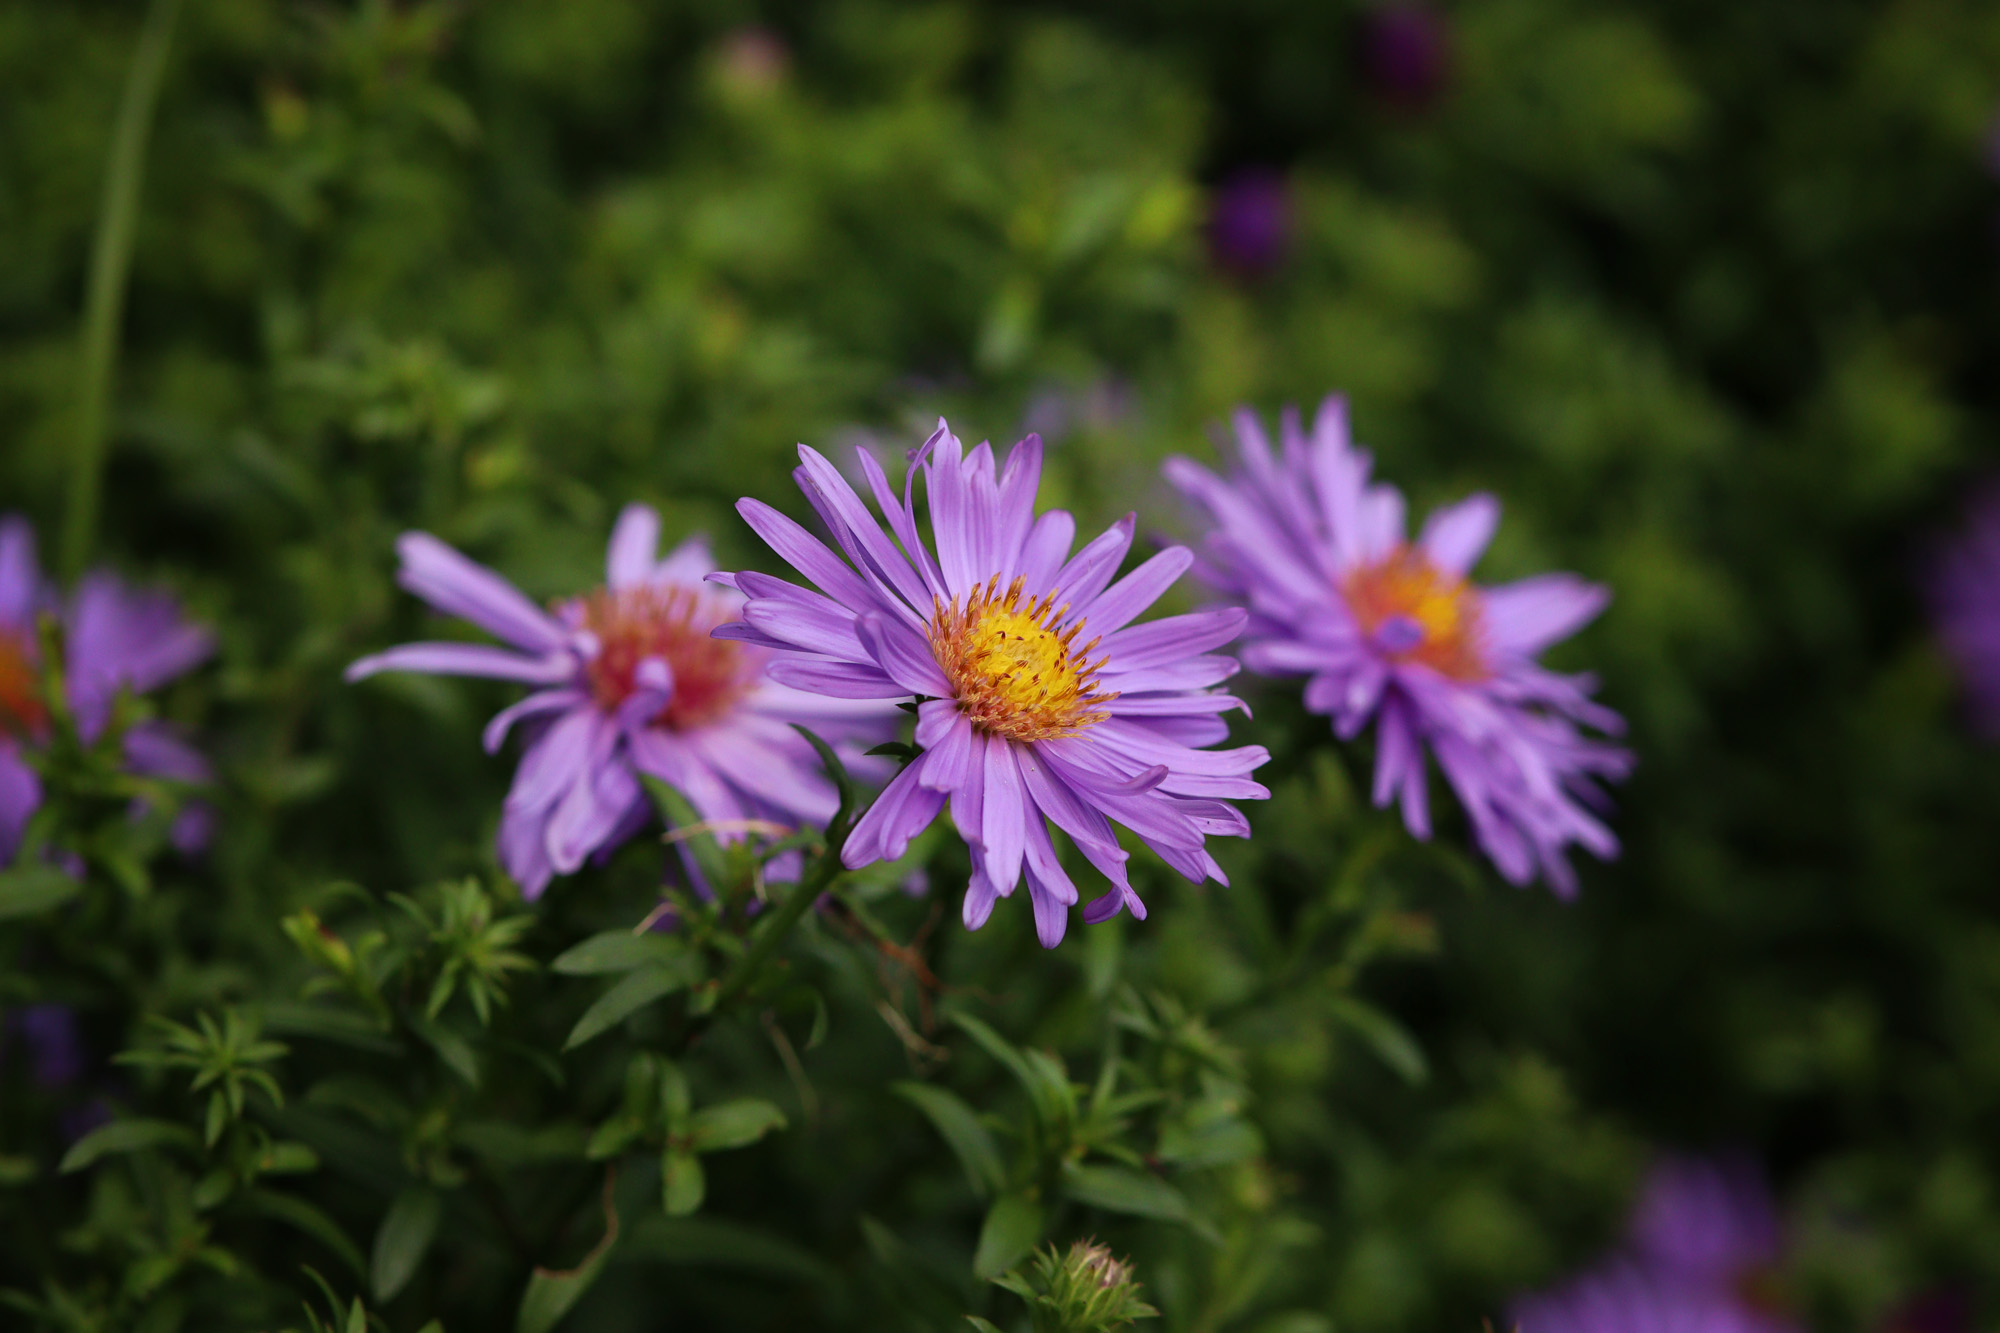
1118,1189
835,770
710,1242
287,1159
403,1238
1390,1040
551,1293
622,951
981,1325
33,890
1013,1227
682,1184
733,1124
454,1050
623,1000
970,1140
676,811
1040,1075
122,1136
309,1219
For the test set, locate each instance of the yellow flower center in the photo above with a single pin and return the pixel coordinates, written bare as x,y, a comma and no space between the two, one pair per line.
672,624
1415,612
22,712
1013,673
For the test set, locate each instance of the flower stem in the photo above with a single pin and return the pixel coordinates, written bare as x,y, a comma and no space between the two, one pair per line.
110,262
771,933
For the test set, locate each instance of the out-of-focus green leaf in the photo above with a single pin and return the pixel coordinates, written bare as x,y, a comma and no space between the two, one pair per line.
1012,1228
732,1124
123,1136
403,1238
628,997
33,890
1119,1189
1389,1039
973,1143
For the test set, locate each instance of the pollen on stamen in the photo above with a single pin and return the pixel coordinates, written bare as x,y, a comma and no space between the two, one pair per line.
21,710
1417,612
670,622
1012,671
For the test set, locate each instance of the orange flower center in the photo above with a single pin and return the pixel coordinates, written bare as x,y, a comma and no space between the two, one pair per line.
672,624
1013,673
22,712
1416,612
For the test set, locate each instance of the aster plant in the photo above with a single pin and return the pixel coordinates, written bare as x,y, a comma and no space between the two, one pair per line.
1964,590
113,638
628,682
1700,1253
1038,700
1394,632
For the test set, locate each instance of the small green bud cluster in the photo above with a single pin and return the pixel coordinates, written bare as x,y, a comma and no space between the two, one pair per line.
1088,1290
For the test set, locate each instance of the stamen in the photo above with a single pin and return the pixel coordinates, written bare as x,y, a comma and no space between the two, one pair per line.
21,710
1013,673
1414,612
671,623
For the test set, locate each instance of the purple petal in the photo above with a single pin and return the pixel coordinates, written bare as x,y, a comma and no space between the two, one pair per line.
904,809
770,775
472,592
825,628
903,655
1456,536
554,763
1003,815
842,680
542,701
635,539
1125,599
152,750
21,590
1046,548
1160,643
1524,617
980,895
859,534
807,554
20,797
1089,570
468,659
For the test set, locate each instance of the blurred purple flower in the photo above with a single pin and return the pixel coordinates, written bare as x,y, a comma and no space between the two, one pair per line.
56,1057
1394,632
627,681
1701,1244
1250,222
1406,55
115,638
1019,723
1964,579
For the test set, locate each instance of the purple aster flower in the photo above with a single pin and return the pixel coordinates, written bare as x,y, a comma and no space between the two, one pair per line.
115,638
55,1047
1039,700
628,681
1392,631
1965,601
1702,1243
1406,54
1250,222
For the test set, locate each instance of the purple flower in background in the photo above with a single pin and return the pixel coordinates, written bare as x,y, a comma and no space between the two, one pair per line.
1039,699
627,681
1965,600
1701,1244
55,1046
1392,631
1250,222
1406,54
115,638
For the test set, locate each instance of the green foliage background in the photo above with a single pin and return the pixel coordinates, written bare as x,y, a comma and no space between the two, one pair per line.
1705,291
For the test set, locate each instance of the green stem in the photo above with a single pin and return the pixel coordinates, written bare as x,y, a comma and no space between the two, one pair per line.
771,933
110,262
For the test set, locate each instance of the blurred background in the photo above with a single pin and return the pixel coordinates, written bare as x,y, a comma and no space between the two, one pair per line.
1705,291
